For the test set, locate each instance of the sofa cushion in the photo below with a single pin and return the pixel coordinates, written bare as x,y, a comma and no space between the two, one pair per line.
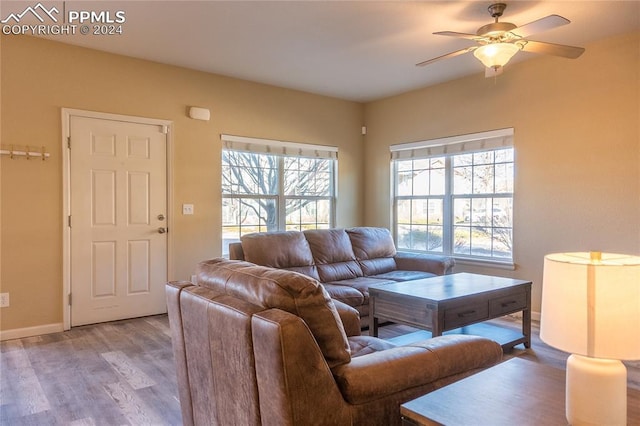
371,243
381,265
400,275
361,284
438,361
374,249
345,294
363,345
333,254
339,271
281,250
285,290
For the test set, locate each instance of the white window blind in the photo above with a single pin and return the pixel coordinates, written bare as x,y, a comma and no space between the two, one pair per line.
275,147
462,144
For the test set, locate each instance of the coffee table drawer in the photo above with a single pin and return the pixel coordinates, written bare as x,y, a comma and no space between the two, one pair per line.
464,315
507,304
403,309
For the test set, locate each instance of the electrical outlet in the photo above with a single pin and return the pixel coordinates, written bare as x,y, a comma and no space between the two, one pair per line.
4,300
187,209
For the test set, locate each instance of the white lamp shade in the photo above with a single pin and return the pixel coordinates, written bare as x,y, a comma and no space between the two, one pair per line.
591,307
496,55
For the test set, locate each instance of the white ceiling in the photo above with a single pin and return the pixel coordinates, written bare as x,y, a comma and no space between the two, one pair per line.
356,50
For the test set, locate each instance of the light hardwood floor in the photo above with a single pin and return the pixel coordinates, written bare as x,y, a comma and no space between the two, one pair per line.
122,373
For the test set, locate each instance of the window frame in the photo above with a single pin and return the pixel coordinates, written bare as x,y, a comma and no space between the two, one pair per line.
282,151
448,148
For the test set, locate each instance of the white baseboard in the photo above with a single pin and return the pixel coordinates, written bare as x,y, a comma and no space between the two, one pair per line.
19,333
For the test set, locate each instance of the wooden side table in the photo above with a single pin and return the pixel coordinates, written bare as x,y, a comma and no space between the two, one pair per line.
515,392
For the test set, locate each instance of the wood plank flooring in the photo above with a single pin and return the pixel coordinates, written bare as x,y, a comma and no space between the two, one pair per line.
117,373
122,373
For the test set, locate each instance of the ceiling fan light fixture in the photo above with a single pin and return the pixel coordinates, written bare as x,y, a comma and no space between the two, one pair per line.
496,55
497,42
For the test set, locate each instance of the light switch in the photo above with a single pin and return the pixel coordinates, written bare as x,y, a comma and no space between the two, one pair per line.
187,209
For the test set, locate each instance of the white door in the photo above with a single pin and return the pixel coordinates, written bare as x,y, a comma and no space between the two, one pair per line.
118,205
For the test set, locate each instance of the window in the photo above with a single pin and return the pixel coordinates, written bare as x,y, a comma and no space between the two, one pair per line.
271,185
454,196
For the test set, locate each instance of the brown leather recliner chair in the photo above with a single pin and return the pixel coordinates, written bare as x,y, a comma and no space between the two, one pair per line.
255,345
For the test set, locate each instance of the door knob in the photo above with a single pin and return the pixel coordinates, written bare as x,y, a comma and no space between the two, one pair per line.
160,216
162,230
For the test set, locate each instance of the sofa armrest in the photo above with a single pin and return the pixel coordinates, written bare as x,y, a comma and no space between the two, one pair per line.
350,318
379,374
294,381
173,292
235,251
439,265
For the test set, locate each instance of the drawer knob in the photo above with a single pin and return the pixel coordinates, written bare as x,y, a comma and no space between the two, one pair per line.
505,304
465,314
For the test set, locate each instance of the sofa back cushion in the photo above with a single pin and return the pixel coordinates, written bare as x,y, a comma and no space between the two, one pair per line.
281,250
374,249
286,290
333,254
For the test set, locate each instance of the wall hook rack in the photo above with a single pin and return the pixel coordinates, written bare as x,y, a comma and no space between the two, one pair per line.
28,152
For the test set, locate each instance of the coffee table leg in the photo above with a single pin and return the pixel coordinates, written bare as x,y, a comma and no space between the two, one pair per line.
526,328
373,327
526,321
438,322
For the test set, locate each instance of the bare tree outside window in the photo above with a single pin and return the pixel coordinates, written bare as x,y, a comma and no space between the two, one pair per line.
245,173
263,192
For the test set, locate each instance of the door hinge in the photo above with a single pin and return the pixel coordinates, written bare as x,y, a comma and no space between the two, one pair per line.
69,221
69,142
69,299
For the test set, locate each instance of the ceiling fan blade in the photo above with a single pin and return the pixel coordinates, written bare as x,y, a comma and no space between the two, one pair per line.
458,35
540,25
448,55
565,51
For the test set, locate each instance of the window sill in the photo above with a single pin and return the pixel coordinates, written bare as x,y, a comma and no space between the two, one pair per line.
507,264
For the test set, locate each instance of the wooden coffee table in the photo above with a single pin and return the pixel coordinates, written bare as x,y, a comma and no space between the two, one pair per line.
454,303
516,392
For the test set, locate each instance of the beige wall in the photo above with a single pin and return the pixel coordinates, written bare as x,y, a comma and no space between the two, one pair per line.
40,77
577,139
577,144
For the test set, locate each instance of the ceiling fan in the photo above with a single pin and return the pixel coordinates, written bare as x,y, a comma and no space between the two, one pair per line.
499,41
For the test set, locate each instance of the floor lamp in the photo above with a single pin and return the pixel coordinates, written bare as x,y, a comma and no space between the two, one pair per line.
591,309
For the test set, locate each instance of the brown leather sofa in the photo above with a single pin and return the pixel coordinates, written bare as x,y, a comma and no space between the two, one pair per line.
345,261
261,346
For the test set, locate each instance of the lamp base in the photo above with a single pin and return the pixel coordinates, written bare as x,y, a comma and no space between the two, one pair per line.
596,392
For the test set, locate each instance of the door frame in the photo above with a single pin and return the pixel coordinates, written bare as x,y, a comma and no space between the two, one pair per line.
66,114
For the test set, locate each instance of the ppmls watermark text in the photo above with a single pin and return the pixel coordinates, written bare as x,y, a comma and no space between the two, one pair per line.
49,22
